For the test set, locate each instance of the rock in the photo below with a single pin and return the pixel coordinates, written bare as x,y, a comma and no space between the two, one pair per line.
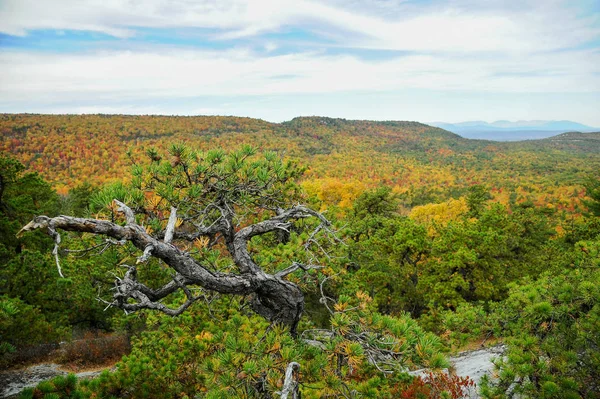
12,382
474,364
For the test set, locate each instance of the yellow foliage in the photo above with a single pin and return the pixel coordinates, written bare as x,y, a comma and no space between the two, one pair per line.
154,200
363,296
275,348
201,243
332,191
204,336
440,214
340,307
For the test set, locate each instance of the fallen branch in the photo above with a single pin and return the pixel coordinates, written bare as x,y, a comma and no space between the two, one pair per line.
290,385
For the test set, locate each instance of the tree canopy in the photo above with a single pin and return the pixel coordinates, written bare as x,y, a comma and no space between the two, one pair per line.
215,202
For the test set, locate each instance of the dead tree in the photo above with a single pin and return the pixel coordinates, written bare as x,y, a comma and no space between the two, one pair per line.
223,199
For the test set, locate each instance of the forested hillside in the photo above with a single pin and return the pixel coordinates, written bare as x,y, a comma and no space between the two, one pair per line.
389,245
423,163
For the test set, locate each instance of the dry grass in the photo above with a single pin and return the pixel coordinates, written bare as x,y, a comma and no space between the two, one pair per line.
93,351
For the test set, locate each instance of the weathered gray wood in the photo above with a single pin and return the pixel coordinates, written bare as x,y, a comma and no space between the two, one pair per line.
290,385
171,225
271,296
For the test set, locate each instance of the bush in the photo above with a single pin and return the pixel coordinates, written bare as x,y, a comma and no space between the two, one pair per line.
60,387
233,355
99,349
24,328
438,386
552,327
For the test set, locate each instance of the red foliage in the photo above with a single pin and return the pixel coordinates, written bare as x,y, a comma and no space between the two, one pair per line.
433,385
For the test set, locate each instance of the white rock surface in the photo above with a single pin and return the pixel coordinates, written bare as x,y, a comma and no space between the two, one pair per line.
476,364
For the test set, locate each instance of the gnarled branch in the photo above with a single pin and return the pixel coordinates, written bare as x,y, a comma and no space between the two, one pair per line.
272,297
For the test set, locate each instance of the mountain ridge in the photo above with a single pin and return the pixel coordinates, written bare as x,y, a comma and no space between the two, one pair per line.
429,162
503,130
557,125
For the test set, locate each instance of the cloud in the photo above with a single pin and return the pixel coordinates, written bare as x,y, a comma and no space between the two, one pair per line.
446,26
492,46
138,75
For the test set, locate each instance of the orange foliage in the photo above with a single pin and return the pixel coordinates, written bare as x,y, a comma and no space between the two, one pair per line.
344,157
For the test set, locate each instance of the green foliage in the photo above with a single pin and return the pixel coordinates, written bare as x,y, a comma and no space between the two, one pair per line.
477,197
468,323
513,260
386,249
22,195
232,355
552,328
195,179
474,259
48,306
77,202
22,322
592,186
23,325
60,387
426,267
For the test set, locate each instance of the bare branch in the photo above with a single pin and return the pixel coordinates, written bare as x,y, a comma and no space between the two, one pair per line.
40,222
47,224
179,260
105,244
290,386
128,287
325,298
295,266
278,222
55,253
146,255
218,226
171,225
129,215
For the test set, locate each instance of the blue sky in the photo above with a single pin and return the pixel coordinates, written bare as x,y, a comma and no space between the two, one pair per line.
424,60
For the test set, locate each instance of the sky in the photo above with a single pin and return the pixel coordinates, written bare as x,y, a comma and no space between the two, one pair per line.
418,60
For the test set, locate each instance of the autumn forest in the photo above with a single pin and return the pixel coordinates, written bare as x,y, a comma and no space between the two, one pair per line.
398,243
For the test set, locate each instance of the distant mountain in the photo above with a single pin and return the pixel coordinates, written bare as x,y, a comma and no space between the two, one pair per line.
503,130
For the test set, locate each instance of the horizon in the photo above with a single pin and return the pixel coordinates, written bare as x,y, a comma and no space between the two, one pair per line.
431,123
366,60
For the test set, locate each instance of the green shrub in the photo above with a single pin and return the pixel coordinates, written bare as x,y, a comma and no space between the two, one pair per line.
552,328
61,387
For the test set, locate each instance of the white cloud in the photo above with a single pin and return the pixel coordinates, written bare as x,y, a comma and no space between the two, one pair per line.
491,46
270,47
136,76
453,26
